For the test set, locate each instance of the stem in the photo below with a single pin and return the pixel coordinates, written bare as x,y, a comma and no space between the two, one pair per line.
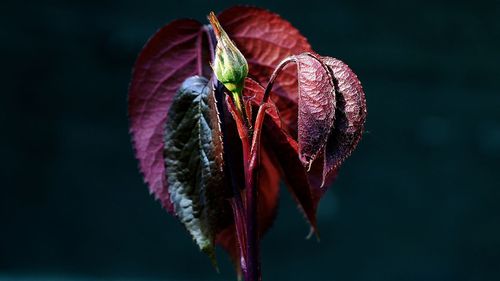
240,105
252,272
251,158
249,147
244,211
251,190
251,178
246,230
252,165
276,71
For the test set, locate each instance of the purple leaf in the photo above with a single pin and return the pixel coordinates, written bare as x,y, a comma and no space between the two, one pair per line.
316,106
314,120
173,54
350,116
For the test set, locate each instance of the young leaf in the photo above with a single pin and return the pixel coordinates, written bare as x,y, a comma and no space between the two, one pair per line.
316,106
350,116
173,54
193,160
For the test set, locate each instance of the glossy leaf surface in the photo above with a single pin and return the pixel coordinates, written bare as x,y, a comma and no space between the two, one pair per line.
193,160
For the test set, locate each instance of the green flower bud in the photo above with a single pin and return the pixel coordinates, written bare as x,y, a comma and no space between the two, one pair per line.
230,66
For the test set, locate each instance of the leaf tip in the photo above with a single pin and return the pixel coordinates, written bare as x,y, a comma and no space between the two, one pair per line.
210,252
313,231
306,162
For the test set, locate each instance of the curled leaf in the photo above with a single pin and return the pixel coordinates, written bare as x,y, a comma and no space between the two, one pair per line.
314,120
316,105
193,160
350,116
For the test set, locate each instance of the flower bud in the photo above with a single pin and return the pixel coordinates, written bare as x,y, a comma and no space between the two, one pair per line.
230,66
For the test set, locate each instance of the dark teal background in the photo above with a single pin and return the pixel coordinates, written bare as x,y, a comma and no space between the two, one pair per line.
418,200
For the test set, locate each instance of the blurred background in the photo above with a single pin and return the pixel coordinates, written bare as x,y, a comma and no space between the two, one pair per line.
418,200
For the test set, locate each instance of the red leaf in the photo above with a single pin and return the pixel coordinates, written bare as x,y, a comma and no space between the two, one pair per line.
173,54
316,106
268,189
265,39
303,127
350,116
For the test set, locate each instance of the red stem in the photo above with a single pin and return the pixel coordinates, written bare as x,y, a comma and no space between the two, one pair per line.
251,163
247,231
245,213
276,71
251,178
253,273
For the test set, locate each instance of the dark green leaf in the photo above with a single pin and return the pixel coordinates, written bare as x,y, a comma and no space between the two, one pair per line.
194,163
